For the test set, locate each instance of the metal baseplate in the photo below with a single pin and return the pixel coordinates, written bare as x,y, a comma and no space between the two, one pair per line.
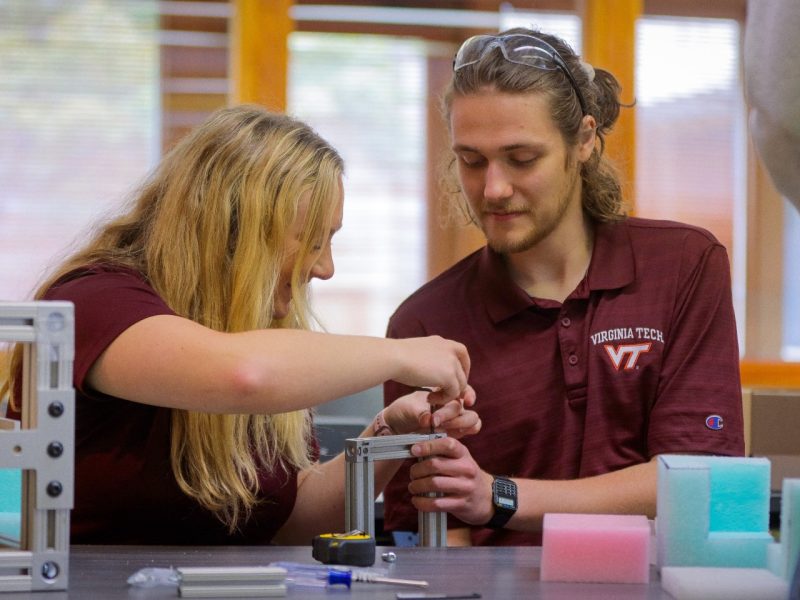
360,456
43,445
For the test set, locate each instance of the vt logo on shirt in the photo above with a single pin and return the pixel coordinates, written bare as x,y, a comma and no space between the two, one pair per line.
619,353
626,355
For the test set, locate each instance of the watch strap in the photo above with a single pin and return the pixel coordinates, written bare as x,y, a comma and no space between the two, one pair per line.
504,500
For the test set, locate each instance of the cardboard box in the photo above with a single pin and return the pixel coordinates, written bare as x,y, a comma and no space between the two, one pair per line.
772,430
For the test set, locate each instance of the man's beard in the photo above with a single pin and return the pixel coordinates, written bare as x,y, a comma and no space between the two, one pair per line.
540,229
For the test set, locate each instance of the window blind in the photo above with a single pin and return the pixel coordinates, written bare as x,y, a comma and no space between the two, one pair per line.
78,123
689,116
690,132
366,94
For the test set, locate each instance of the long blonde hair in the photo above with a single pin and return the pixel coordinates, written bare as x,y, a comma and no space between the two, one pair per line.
207,230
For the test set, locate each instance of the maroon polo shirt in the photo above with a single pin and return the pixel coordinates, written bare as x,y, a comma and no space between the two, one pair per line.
641,359
125,492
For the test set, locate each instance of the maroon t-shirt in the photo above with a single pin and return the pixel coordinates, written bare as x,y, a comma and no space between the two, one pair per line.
639,360
125,492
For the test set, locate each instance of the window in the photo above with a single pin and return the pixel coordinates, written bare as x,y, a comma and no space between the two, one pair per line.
566,26
79,105
691,131
791,285
366,94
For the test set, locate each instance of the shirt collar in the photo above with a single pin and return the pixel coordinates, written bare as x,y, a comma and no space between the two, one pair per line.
612,267
503,297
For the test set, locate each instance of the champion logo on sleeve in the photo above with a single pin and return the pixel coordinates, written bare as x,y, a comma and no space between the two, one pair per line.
714,422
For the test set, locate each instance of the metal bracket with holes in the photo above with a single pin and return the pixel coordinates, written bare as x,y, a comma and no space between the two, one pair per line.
360,455
43,446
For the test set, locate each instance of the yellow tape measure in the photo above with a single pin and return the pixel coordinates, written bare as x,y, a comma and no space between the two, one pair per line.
353,548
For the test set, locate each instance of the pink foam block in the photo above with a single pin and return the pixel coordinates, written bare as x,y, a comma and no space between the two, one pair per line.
595,548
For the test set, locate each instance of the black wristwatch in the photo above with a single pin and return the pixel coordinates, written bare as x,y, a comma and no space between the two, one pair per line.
504,499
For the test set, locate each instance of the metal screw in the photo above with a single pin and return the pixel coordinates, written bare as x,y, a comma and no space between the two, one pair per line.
55,449
54,488
56,409
50,570
56,321
389,557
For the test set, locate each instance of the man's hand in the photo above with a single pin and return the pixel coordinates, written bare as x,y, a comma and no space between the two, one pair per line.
449,469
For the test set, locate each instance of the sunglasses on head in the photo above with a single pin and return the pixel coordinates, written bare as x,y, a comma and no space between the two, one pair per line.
520,49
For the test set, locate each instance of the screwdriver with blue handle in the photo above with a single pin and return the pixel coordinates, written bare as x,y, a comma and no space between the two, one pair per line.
301,575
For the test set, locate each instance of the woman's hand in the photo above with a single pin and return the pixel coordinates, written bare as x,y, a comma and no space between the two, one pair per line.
413,414
433,362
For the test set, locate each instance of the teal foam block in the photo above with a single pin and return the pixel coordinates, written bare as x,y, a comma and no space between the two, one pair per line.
722,583
713,511
783,557
10,490
10,506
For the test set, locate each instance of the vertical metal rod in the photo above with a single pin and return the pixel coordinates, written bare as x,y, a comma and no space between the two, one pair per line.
432,528
360,457
359,491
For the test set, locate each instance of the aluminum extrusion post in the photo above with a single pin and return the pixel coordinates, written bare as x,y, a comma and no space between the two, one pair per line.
360,457
43,445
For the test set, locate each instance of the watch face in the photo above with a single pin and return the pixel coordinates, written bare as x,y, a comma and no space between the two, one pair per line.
508,503
505,494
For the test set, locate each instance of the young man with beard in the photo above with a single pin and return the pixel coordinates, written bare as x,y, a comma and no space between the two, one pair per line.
597,341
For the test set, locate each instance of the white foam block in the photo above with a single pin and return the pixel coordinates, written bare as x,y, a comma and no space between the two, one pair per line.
722,583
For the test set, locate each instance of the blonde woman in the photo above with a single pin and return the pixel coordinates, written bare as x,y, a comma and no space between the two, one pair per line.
194,366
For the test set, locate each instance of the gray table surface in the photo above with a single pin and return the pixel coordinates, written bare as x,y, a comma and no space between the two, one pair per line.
100,573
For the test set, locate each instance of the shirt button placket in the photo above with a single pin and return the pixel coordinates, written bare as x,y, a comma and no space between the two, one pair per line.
570,347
